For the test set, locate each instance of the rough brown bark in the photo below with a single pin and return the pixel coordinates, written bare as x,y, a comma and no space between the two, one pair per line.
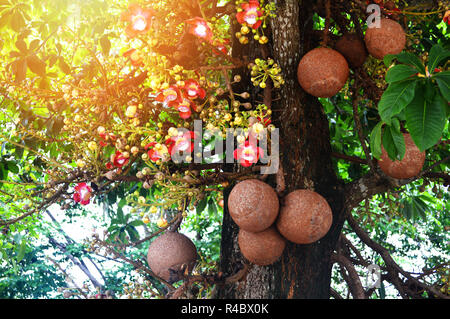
304,271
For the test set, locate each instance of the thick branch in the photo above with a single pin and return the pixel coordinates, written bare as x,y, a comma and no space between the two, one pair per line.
354,282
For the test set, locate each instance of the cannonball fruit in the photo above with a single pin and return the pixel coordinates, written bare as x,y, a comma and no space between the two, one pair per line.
352,47
169,254
305,217
263,248
409,166
390,38
322,72
253,205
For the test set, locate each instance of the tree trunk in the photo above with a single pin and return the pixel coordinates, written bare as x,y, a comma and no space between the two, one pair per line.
304,271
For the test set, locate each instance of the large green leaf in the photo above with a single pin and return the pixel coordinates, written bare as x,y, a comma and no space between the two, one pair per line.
394,143
443,81
375,140
396,98
406,58
436,56
36,65
399,73
414,208
17,21
426,119
21,251
105,44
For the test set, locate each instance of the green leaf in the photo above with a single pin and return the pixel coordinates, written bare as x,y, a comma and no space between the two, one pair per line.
34,44
443,81
64,66
406,58
407,210
22,250
396,124
105,44
12,167
120,216
5,18
212,207
20,70
420,207
133,233
136,223
17,21
394,143
426,120
436,56
36,65
400,72
21,46
375,140
397,96
201,205
44,84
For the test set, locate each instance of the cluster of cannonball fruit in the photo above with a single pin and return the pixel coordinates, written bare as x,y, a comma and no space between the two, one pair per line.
323,72
264,226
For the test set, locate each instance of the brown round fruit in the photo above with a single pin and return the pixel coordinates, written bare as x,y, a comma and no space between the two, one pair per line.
263,248
305,217
253,205
390,38
409,166
170,254
352,47
322,72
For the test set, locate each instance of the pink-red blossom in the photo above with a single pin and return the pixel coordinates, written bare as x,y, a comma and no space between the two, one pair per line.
119,160
139,19
250,14
181,143
157,152
200,28
82,194
248,154
194,90
446,18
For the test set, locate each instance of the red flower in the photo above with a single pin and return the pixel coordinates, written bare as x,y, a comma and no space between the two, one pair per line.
183,143
157,152
194,90
184,107
185,110
139,18
169,95
173,97
250,14
82,194
447,17
134,56
119,160
105,138
248,154
199,28
221,46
